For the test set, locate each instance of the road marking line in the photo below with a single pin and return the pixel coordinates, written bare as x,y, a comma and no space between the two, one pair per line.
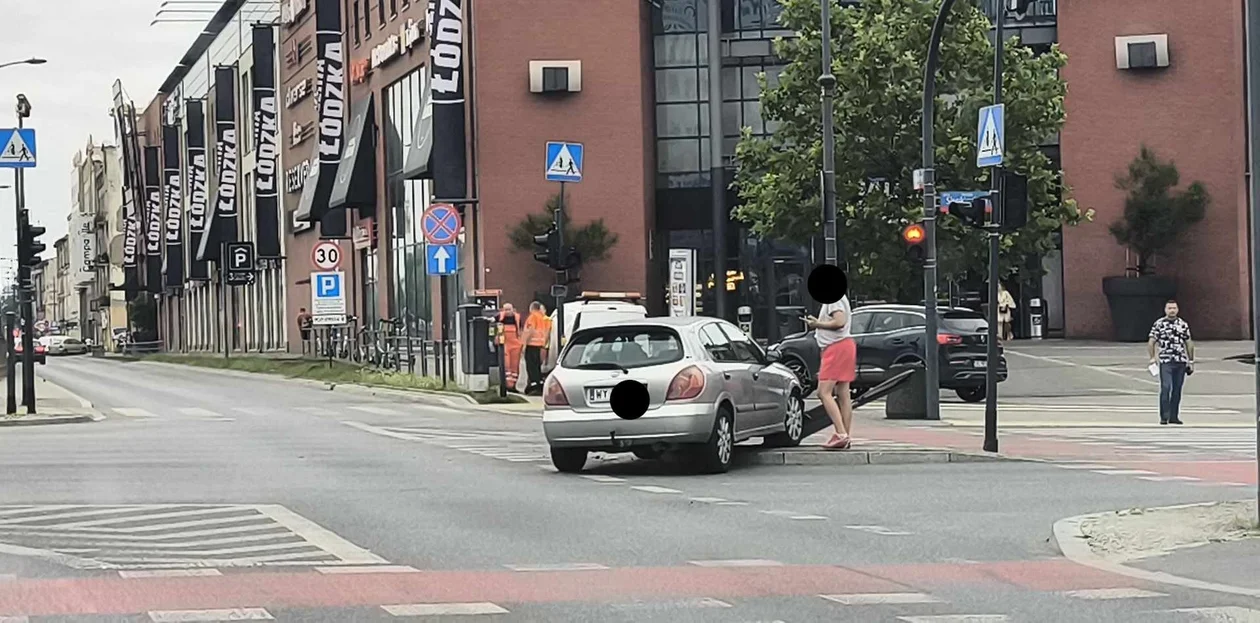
15,619
807,517
428,610
699,602
880,530
865,599
779,513
198,412
376,430
1112,593
564,566
1220,613
368,569
1085,466
1168,478
374,410
704,500
169,573
148,518
747,562
1123,472
133,412
956,618
1136,447
318,535
603,479
7,577
732,503
654,489
234,614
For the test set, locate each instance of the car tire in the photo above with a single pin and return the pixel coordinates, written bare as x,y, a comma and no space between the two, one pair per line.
971,394
568,460
803,376
715,455
793,424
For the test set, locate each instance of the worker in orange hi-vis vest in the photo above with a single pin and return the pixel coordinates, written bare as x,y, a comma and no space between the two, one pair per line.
537,333
510,323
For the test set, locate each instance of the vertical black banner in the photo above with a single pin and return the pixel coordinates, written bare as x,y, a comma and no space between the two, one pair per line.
266,144
222,227
330,92
153,219
173,208
446,79
198,190
123,122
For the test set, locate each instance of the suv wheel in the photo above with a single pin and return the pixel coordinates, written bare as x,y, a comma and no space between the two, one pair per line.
568,460
714,456
793,424
971,394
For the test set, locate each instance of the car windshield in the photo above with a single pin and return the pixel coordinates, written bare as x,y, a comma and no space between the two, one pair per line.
964,321
626,347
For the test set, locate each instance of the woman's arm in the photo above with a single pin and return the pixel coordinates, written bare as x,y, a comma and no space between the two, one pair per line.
837,321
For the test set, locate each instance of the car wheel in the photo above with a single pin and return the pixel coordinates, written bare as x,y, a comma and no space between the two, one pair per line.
714,456
801,371
793,425
971,394
568,460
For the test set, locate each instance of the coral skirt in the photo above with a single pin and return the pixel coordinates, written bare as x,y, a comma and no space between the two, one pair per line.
839,362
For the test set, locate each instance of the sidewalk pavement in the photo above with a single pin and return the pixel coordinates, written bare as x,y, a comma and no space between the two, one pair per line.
1213,546
53,405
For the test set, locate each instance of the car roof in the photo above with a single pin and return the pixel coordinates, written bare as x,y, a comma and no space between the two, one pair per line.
663,321
909,308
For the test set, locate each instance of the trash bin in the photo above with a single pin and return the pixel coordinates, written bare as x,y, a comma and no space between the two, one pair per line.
909,400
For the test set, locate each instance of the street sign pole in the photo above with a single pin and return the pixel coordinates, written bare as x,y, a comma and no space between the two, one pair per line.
996,200
560,274
26,297
1253,127
10,376
223,288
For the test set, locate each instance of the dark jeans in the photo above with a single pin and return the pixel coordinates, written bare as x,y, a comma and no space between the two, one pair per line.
1171,377
533,367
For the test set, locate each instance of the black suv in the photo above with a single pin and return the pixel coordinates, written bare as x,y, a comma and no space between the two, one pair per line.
889,335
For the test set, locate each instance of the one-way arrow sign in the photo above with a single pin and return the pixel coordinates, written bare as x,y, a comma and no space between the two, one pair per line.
441,259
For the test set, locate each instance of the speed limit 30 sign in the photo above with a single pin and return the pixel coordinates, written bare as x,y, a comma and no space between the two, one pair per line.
326,255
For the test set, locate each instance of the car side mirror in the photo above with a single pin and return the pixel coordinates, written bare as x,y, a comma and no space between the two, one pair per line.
773,356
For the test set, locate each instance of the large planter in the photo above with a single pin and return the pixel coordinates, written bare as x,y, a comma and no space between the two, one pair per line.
1136,303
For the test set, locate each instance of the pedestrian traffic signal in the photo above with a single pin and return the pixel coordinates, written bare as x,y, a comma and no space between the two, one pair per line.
547,248
1014,197
569,259
914,236
971,212
29,245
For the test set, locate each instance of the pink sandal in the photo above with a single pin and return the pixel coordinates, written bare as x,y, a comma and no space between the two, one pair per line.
838,443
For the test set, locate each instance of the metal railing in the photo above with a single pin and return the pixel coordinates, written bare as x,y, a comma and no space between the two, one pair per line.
384,348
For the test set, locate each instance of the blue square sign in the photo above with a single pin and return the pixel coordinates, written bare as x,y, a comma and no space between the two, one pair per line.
328,285
441,259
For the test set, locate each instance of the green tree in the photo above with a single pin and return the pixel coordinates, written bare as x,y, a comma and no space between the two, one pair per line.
1154,216
879,50
593,240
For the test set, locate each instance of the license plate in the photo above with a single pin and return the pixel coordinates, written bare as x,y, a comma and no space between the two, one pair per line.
978,364
595,395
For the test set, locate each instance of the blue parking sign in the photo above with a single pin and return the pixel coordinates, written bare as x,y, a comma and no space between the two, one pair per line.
328,285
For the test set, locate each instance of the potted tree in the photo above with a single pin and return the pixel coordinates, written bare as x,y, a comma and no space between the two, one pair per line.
1155,216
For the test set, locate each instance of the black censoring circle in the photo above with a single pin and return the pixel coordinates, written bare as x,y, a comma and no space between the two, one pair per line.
828,283
629,399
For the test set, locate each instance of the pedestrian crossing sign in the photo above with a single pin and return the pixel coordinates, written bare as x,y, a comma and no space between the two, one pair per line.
18,148
564,162
991,138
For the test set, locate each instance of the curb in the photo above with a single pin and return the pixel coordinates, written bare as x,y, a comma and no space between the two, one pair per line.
1071,541
46,420
870,457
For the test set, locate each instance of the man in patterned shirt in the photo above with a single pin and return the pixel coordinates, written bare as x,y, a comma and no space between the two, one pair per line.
1170,345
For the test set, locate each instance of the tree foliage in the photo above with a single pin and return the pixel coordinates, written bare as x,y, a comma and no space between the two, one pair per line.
593,240
1155,216
879,56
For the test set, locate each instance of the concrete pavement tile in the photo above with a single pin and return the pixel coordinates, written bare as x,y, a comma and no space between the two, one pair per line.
907,457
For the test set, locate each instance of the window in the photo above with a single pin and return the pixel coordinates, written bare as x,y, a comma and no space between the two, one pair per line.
367,20
745,349
393,8
860,323
913,320
718,345
555,79
380,11
622,347
355,21
883,322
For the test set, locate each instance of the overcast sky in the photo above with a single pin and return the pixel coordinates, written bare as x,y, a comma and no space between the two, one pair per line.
88,44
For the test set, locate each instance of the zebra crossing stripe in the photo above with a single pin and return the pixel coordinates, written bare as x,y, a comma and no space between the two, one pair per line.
374,410
134,412
188,616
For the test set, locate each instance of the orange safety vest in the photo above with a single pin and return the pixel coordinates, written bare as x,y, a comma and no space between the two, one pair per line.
511,328
538,327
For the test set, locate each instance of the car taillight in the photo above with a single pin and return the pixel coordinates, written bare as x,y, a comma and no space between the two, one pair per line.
687,384
946,339
553,394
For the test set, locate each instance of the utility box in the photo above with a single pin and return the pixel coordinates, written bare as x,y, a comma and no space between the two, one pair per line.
909,400
475,347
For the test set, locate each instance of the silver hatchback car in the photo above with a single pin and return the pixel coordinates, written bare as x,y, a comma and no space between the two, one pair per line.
709,386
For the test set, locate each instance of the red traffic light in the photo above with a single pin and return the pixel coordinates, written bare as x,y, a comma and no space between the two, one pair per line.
913,234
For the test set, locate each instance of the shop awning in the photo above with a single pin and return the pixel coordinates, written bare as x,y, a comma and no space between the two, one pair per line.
420,152
356,173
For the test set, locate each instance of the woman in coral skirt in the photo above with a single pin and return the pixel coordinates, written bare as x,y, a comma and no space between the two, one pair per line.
837,369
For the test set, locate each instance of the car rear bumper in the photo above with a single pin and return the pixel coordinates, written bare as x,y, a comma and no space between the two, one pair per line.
964,373
603,430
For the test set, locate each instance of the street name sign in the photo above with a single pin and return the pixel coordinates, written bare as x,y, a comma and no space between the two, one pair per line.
328,298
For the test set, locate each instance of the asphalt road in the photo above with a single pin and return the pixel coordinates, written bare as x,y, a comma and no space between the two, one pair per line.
277,499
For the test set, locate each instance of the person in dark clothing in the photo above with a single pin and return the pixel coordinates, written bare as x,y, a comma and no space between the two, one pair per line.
1172,348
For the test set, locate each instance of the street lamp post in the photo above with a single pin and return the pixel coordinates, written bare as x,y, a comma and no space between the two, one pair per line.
1253,145
29,61
25,296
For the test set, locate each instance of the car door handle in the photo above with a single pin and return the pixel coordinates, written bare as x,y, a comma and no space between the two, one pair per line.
897,341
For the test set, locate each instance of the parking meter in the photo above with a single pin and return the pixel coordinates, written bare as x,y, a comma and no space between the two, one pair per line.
745,317
1035,317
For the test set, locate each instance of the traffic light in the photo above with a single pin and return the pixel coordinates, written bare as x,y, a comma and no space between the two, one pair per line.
29,245
971,212
569,259
547,248
1014,195
914,236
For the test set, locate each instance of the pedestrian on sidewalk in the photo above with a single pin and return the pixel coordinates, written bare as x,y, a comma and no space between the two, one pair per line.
510,322
837,368
1171,347
1006,307
304,323
537,332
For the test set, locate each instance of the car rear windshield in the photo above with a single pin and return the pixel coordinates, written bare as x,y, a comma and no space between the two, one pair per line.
624,347
964,321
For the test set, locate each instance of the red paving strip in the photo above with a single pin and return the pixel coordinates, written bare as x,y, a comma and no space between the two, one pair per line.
1012,445
1242,472
314,590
